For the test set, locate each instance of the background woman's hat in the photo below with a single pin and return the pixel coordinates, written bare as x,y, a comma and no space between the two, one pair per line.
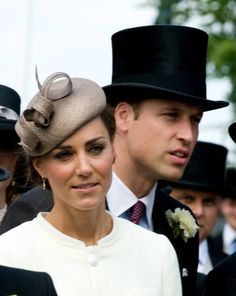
9,108
206,169
163,61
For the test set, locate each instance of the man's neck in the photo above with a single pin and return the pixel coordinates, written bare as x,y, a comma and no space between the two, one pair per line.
134,181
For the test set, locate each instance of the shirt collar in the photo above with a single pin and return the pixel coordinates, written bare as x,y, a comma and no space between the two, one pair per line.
203,252
120,198
229,234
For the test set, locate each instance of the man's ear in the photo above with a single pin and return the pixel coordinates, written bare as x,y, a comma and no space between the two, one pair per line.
123,114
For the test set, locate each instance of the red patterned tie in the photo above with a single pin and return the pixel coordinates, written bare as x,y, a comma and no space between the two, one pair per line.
137,212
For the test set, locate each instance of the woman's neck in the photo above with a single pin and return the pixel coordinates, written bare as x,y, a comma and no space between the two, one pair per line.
89,226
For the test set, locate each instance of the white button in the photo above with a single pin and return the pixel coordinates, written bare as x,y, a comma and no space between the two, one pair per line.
93,260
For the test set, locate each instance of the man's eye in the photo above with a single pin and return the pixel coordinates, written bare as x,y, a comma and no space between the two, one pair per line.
172,115
188,198
197,119
210,202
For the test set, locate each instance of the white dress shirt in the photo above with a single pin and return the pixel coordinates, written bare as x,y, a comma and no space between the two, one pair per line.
229,235
120,199
204,264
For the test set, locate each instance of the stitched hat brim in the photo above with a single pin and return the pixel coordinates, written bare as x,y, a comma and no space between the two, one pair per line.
117,92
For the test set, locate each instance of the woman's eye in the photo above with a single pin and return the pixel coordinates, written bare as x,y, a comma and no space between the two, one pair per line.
63,155
96,149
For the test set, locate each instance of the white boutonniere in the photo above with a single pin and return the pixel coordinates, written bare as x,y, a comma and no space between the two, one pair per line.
182,222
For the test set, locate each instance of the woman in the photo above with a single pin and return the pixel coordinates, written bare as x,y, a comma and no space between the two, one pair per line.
67,132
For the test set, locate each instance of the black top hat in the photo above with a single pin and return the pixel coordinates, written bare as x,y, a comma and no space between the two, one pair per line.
164,61
232,131
205,170
9,108
230,183
9,113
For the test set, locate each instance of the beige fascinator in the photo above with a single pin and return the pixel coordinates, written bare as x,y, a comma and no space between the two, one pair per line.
61,106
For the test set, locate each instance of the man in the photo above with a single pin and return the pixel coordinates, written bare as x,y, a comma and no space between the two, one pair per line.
201,188
226,238
222,279
158,93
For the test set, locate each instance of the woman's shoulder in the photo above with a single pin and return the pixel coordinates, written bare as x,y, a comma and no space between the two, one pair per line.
20,231
140,233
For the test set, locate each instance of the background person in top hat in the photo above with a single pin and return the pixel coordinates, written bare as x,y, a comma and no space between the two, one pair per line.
201,188
226,238
158,92
9,112
222,279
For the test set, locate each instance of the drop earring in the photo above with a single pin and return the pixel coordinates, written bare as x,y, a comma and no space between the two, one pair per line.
13,183
44,182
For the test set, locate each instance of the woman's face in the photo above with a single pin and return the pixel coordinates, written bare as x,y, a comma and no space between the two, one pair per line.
79,170
7,161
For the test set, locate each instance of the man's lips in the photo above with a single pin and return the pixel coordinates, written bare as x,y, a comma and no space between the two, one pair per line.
180,153
179,157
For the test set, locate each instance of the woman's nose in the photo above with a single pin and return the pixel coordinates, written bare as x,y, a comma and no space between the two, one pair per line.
83,167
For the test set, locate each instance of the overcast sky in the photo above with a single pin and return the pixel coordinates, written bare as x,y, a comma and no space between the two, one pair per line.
74,36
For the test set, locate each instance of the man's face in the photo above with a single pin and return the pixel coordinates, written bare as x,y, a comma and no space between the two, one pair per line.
205,206
228,209
159,140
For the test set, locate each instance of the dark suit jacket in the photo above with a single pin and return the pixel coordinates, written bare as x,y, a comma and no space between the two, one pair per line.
201,281
25,283
222,279
187,253
218,241
26,207
215,253
30,203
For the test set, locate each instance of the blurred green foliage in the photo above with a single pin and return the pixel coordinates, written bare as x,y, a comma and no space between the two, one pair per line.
218,19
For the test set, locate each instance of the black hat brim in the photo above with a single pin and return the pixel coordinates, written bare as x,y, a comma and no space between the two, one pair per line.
118,92
7,125
232,131
194,185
